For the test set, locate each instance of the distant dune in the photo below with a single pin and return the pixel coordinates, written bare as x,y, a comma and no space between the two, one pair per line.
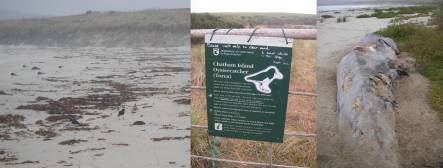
6,15
142,28
252,20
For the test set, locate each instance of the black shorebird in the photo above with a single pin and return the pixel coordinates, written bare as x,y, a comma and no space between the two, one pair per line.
134,108
74,121
121,112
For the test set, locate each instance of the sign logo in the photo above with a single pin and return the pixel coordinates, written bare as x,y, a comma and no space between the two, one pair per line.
262,79
218,126
216,51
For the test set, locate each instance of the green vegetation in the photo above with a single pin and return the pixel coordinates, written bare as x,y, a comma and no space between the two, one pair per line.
250,20
394,12
208,21
327,16
414,9
438,17
425,44
382,15
341,19
364,16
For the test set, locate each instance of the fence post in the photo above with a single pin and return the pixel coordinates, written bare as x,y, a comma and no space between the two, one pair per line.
213,144
270,154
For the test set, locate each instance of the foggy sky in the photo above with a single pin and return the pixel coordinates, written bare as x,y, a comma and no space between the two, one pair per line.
69,7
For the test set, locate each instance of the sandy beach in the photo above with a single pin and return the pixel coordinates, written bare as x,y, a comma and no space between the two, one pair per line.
48,86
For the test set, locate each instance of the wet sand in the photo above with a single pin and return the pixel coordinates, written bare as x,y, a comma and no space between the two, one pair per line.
92,84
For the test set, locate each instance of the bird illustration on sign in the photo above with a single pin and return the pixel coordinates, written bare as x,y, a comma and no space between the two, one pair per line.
262,79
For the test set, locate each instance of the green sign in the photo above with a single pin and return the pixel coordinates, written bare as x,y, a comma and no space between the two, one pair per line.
247,86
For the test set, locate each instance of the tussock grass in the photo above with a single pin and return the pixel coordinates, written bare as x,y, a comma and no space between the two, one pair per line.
198,65
250,20
364,16
382,15
414,9
425,44
341,19
327,16
300,117
394,12
209,21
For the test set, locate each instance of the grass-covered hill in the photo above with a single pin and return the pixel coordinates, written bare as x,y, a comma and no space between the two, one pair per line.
251,20
141,28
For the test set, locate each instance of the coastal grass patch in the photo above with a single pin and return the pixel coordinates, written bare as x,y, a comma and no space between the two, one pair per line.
398,11
438,17
210,21
383,14
327,16
364,16
341,19
231,20
425,44
413,9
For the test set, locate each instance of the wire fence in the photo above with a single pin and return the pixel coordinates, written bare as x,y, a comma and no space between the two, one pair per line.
269,164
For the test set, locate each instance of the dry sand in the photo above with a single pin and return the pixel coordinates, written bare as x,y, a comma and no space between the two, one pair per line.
419,130
416,126
150,78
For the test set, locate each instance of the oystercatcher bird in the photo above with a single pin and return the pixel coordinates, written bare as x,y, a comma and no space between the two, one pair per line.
121,112
134,108
74,121
264,78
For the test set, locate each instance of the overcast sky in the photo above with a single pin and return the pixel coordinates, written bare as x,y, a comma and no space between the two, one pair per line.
288,6
68,7
350,2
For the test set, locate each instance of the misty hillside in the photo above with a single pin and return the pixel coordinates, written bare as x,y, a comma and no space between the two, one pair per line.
142,28
349,2
5,15
251,20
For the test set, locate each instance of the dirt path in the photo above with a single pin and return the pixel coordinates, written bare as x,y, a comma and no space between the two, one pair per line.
327,113
419,131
